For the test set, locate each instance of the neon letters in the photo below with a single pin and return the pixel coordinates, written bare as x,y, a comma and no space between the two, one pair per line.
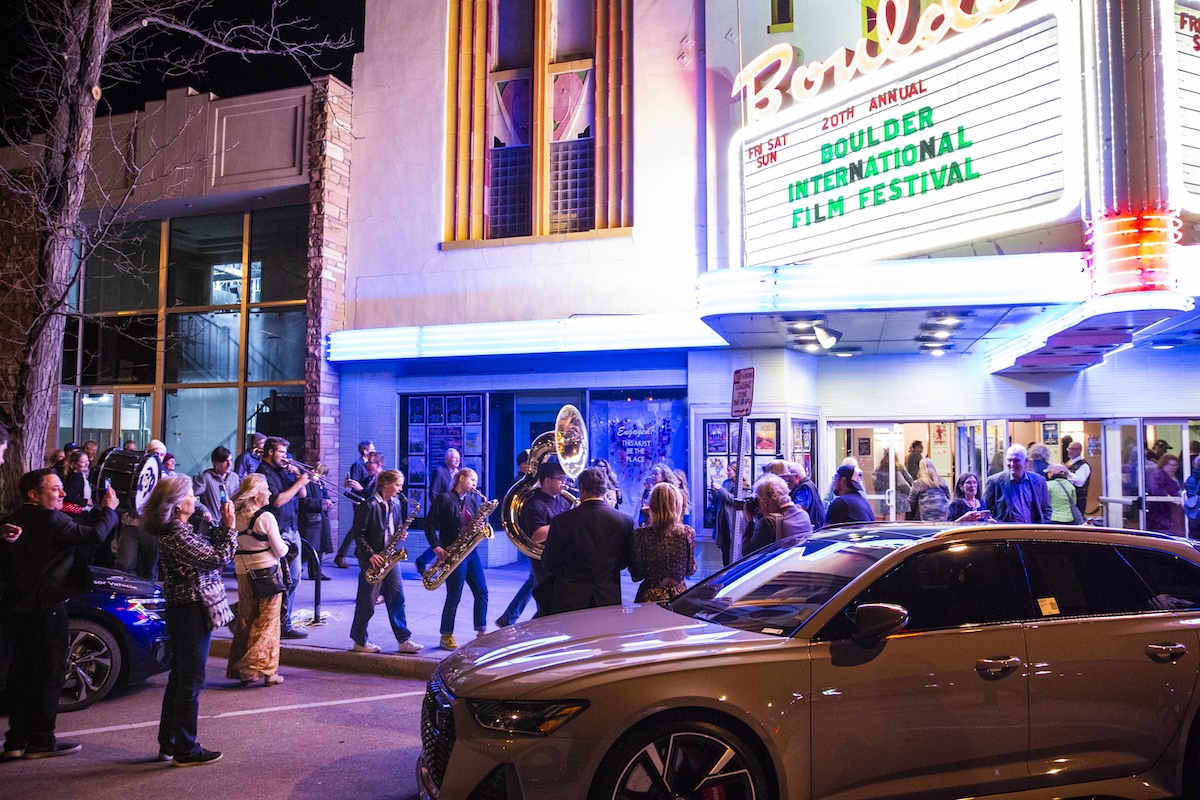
902,30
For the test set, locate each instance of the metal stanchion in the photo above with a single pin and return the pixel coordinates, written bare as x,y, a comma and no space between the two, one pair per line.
306,551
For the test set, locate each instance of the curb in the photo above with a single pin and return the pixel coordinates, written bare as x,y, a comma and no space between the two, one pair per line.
385,664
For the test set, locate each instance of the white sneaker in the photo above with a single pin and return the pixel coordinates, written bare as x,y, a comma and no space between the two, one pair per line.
366,647
409,646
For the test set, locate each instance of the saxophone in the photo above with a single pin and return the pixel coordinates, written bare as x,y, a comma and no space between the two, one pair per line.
468,539
392,556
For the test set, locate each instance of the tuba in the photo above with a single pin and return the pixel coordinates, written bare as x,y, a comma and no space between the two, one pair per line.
469,537
569,442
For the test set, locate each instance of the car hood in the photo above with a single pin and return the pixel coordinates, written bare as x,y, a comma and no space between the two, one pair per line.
111,581
552,650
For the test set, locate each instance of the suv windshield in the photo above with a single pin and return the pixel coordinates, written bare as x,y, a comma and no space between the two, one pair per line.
775,590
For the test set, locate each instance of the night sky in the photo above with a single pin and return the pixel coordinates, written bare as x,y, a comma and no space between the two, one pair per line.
224,75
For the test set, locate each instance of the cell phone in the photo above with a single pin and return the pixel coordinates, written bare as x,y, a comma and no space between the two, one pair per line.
224,496
107,485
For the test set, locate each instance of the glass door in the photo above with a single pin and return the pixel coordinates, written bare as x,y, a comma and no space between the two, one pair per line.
1122,444
1165,469
969,448
996,441
878,450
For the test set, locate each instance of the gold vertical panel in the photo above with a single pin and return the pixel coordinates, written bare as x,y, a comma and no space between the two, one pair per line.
453,70
540,129
478,117
625,201
614,118
244,329
157,397
603,62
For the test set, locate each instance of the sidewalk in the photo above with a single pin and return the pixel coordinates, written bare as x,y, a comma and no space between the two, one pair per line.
328,643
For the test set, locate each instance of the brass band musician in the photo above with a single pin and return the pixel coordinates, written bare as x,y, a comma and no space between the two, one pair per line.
451,512
375,522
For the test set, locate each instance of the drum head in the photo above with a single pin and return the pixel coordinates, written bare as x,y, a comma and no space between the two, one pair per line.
148,473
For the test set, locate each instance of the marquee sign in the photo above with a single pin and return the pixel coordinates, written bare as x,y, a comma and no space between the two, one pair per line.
979,135
1186,128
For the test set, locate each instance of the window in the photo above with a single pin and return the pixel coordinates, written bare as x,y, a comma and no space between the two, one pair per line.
122,272
119,350
948,588
196,421
1074,579
549,65
204,259
202,348
782,18
278,255
1175,582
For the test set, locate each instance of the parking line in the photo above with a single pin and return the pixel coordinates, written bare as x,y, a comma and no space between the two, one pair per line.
246,712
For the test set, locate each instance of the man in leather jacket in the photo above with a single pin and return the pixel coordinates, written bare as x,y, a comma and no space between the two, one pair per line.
375,521
450,513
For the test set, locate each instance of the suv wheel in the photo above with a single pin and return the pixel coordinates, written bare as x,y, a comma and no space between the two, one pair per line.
681,759
93,665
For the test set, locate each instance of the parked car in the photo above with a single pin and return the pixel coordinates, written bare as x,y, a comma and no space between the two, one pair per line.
118,637
873,660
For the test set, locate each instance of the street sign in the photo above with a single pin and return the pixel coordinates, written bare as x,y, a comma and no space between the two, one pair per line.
743,393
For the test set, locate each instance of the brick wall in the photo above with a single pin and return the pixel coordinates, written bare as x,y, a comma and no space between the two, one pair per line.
330,144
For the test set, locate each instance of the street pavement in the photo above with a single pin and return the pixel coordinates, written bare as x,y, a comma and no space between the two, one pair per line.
328,643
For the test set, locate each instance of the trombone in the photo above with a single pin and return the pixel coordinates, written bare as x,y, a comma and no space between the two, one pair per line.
314,474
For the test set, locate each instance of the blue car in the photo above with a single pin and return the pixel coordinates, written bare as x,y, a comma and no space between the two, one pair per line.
118,637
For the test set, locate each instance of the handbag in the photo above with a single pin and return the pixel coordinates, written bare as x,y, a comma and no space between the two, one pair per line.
266,582
1191,506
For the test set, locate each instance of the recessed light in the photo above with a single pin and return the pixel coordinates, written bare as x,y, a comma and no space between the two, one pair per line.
812,348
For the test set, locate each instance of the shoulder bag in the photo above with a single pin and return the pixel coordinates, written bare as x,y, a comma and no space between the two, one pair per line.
265,582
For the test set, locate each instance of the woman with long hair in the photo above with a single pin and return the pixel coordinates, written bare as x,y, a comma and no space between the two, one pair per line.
664,549
254,652
190,564
968,499
883,481
930,495
75,484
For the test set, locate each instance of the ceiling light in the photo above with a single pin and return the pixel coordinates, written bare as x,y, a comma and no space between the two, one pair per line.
826,337
812,348
935,348
942,335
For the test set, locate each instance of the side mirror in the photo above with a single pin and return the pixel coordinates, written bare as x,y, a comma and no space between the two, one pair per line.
874,621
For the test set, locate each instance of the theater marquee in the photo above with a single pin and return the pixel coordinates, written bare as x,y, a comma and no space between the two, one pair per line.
977,135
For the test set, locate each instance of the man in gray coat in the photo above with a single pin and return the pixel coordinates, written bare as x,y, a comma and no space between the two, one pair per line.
1018,494
586,549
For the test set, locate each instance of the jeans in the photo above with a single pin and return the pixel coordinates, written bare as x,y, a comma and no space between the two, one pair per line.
393,601
521,598
39,640
188,628
292,563
471,573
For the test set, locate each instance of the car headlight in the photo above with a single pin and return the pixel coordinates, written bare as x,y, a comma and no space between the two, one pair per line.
150,606
524,717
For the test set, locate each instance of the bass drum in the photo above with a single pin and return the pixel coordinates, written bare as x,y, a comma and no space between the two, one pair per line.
132,474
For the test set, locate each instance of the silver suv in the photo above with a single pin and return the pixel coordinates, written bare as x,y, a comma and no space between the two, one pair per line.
870,661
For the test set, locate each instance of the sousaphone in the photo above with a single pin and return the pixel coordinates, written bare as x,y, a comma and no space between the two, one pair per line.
569,442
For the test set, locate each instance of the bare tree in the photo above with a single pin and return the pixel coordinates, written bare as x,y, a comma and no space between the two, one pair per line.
73,48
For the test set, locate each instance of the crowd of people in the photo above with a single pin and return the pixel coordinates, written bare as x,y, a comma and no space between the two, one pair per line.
252,512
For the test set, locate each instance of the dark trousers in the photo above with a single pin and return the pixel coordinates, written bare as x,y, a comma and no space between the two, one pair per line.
393,601
471,573
36,675
292,564
521,598
188,627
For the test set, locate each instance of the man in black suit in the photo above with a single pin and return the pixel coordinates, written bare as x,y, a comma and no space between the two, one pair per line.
1017,494
46,564
586,549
